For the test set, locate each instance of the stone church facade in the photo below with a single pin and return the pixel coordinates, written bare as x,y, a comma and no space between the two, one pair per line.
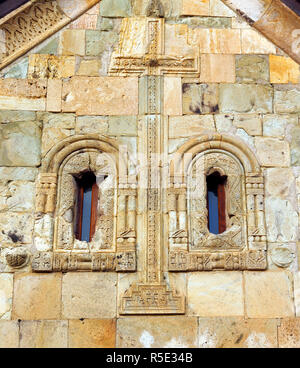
151,98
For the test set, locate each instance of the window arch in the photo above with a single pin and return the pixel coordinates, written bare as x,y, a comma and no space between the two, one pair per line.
216,207
83,178
206,178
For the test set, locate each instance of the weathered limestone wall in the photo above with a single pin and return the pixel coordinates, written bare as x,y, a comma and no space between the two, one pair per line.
247,89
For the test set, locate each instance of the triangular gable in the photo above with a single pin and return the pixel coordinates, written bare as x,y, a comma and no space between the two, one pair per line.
37,20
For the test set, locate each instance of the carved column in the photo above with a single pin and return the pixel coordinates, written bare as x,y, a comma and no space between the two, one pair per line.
256,213
46,193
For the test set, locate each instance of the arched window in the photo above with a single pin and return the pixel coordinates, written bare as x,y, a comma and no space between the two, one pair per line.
216,207
216,203
86,206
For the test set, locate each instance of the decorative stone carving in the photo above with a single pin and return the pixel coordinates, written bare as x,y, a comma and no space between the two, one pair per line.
57,193
282,257
183,261
96,262
33,22
17,257
104,170
42,262
151,299
126,226
242,245
153,62
46,193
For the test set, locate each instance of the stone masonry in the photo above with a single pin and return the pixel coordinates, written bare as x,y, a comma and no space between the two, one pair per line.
157,87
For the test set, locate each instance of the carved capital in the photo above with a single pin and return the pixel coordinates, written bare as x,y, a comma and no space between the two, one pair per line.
46,193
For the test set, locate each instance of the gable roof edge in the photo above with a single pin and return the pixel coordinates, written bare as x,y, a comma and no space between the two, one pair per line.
274,20
16,41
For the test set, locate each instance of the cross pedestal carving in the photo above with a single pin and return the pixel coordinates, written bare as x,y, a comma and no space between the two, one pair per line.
152,295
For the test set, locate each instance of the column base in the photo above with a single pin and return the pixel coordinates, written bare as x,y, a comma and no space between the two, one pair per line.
151,299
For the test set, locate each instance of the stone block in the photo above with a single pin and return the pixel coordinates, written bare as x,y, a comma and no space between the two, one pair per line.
239,23
89,295
115,8
195,7
101,96
215,294
280,182
211,71
187,125
252,68
289,333
268,295
287,100
13,116
18,173
122,126
172,96
6,293
205,22
16,229
89,68
219,9
20,144
51,66
54,95
282,220
283,70
216,41
248,98
75,7
9,334
37,296
275,125
95,333
23,88
49,48
23,94
224,124
91,125
200,98
43,334
255,43
86,21
251,123
157,332
176,41
272,152
98,41
235,332
295,145
17,196
72,42
56,127
19,70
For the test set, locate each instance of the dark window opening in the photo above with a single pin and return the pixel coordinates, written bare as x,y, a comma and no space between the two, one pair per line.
216,203
87,202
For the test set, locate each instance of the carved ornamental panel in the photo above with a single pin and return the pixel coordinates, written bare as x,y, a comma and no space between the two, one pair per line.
192,247
112,247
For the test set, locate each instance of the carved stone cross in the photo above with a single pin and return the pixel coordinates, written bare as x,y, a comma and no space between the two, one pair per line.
152,295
